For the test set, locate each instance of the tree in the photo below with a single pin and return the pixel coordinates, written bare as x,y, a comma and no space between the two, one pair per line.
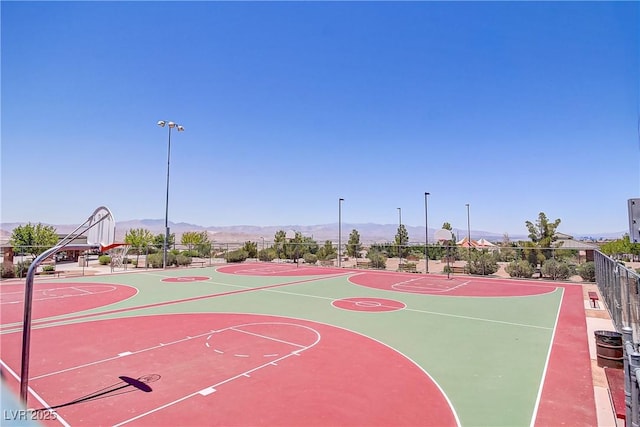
327,251
543,233
279,240
251,248
33,239
198,240
158,240
401,240
353,245
139,239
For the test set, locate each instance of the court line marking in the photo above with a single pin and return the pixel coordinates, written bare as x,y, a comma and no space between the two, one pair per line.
546,364
267,337
118,356
48,322
155,347
36,395
425,311
46,297
212,388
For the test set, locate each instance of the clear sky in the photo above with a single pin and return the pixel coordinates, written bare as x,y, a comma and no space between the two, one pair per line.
514,108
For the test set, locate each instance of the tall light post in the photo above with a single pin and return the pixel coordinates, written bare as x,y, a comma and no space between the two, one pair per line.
468,234
399,236
340,200
426,232
179,128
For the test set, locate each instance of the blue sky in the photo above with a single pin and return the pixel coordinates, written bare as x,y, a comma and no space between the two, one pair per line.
514,108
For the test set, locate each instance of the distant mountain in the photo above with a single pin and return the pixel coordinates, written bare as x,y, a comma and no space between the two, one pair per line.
369,233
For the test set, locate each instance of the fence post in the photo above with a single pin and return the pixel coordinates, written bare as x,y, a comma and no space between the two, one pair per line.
627,347
634,363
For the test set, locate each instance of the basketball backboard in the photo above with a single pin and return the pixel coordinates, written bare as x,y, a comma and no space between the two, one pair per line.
101,227
443,235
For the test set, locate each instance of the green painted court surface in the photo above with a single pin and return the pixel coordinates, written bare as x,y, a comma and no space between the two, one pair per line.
488,354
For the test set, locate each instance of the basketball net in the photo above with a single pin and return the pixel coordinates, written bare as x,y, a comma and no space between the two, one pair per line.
118,254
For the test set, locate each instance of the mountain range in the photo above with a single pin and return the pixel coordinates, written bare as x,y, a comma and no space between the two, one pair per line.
369,233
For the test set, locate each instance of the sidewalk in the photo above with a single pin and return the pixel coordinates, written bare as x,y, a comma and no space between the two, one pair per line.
598,319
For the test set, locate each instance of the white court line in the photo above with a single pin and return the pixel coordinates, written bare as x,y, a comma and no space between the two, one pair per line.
45,297
546,364
207,390
267,337
407,285
419,311
124,354
37,396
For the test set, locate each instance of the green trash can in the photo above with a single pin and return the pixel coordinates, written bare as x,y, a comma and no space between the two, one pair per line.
609,349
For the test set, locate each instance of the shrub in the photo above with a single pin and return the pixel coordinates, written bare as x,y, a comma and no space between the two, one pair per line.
183,260
482,263
310,258
21,268
104,259
156,260
378,260
239,255
48,268
7,270
587,271
520,268
267,255
555,270
191,253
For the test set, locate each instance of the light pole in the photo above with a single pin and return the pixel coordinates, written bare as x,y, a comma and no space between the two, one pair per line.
340,200
399,236
179,128
468,234
426,232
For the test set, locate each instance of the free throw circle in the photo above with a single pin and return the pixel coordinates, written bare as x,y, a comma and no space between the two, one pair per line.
375,305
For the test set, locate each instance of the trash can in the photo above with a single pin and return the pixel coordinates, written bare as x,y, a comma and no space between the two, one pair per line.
81,261
609,349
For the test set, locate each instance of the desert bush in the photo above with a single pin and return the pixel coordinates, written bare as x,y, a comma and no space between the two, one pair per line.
520,268
556,270
587,271
238,255
267,254
190,253
310,258
7,270
156,260
482,263
48,268
378,260
182,259
21,268
104,259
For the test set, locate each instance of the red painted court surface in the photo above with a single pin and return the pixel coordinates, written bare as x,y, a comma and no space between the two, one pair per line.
225,369
186,279
54,299
372,305
285,269
454,286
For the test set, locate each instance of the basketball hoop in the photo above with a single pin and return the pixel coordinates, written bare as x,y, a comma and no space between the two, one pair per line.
444,235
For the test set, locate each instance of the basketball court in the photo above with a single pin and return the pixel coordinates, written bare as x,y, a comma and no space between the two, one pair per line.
280,344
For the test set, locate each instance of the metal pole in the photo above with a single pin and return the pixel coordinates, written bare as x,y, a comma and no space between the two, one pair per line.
340,231
426,233
399,236
166,211
468,236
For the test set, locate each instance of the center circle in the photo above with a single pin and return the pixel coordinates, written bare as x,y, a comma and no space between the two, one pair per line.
186,279
371,305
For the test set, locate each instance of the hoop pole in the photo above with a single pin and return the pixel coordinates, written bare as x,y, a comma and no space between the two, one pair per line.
28,302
